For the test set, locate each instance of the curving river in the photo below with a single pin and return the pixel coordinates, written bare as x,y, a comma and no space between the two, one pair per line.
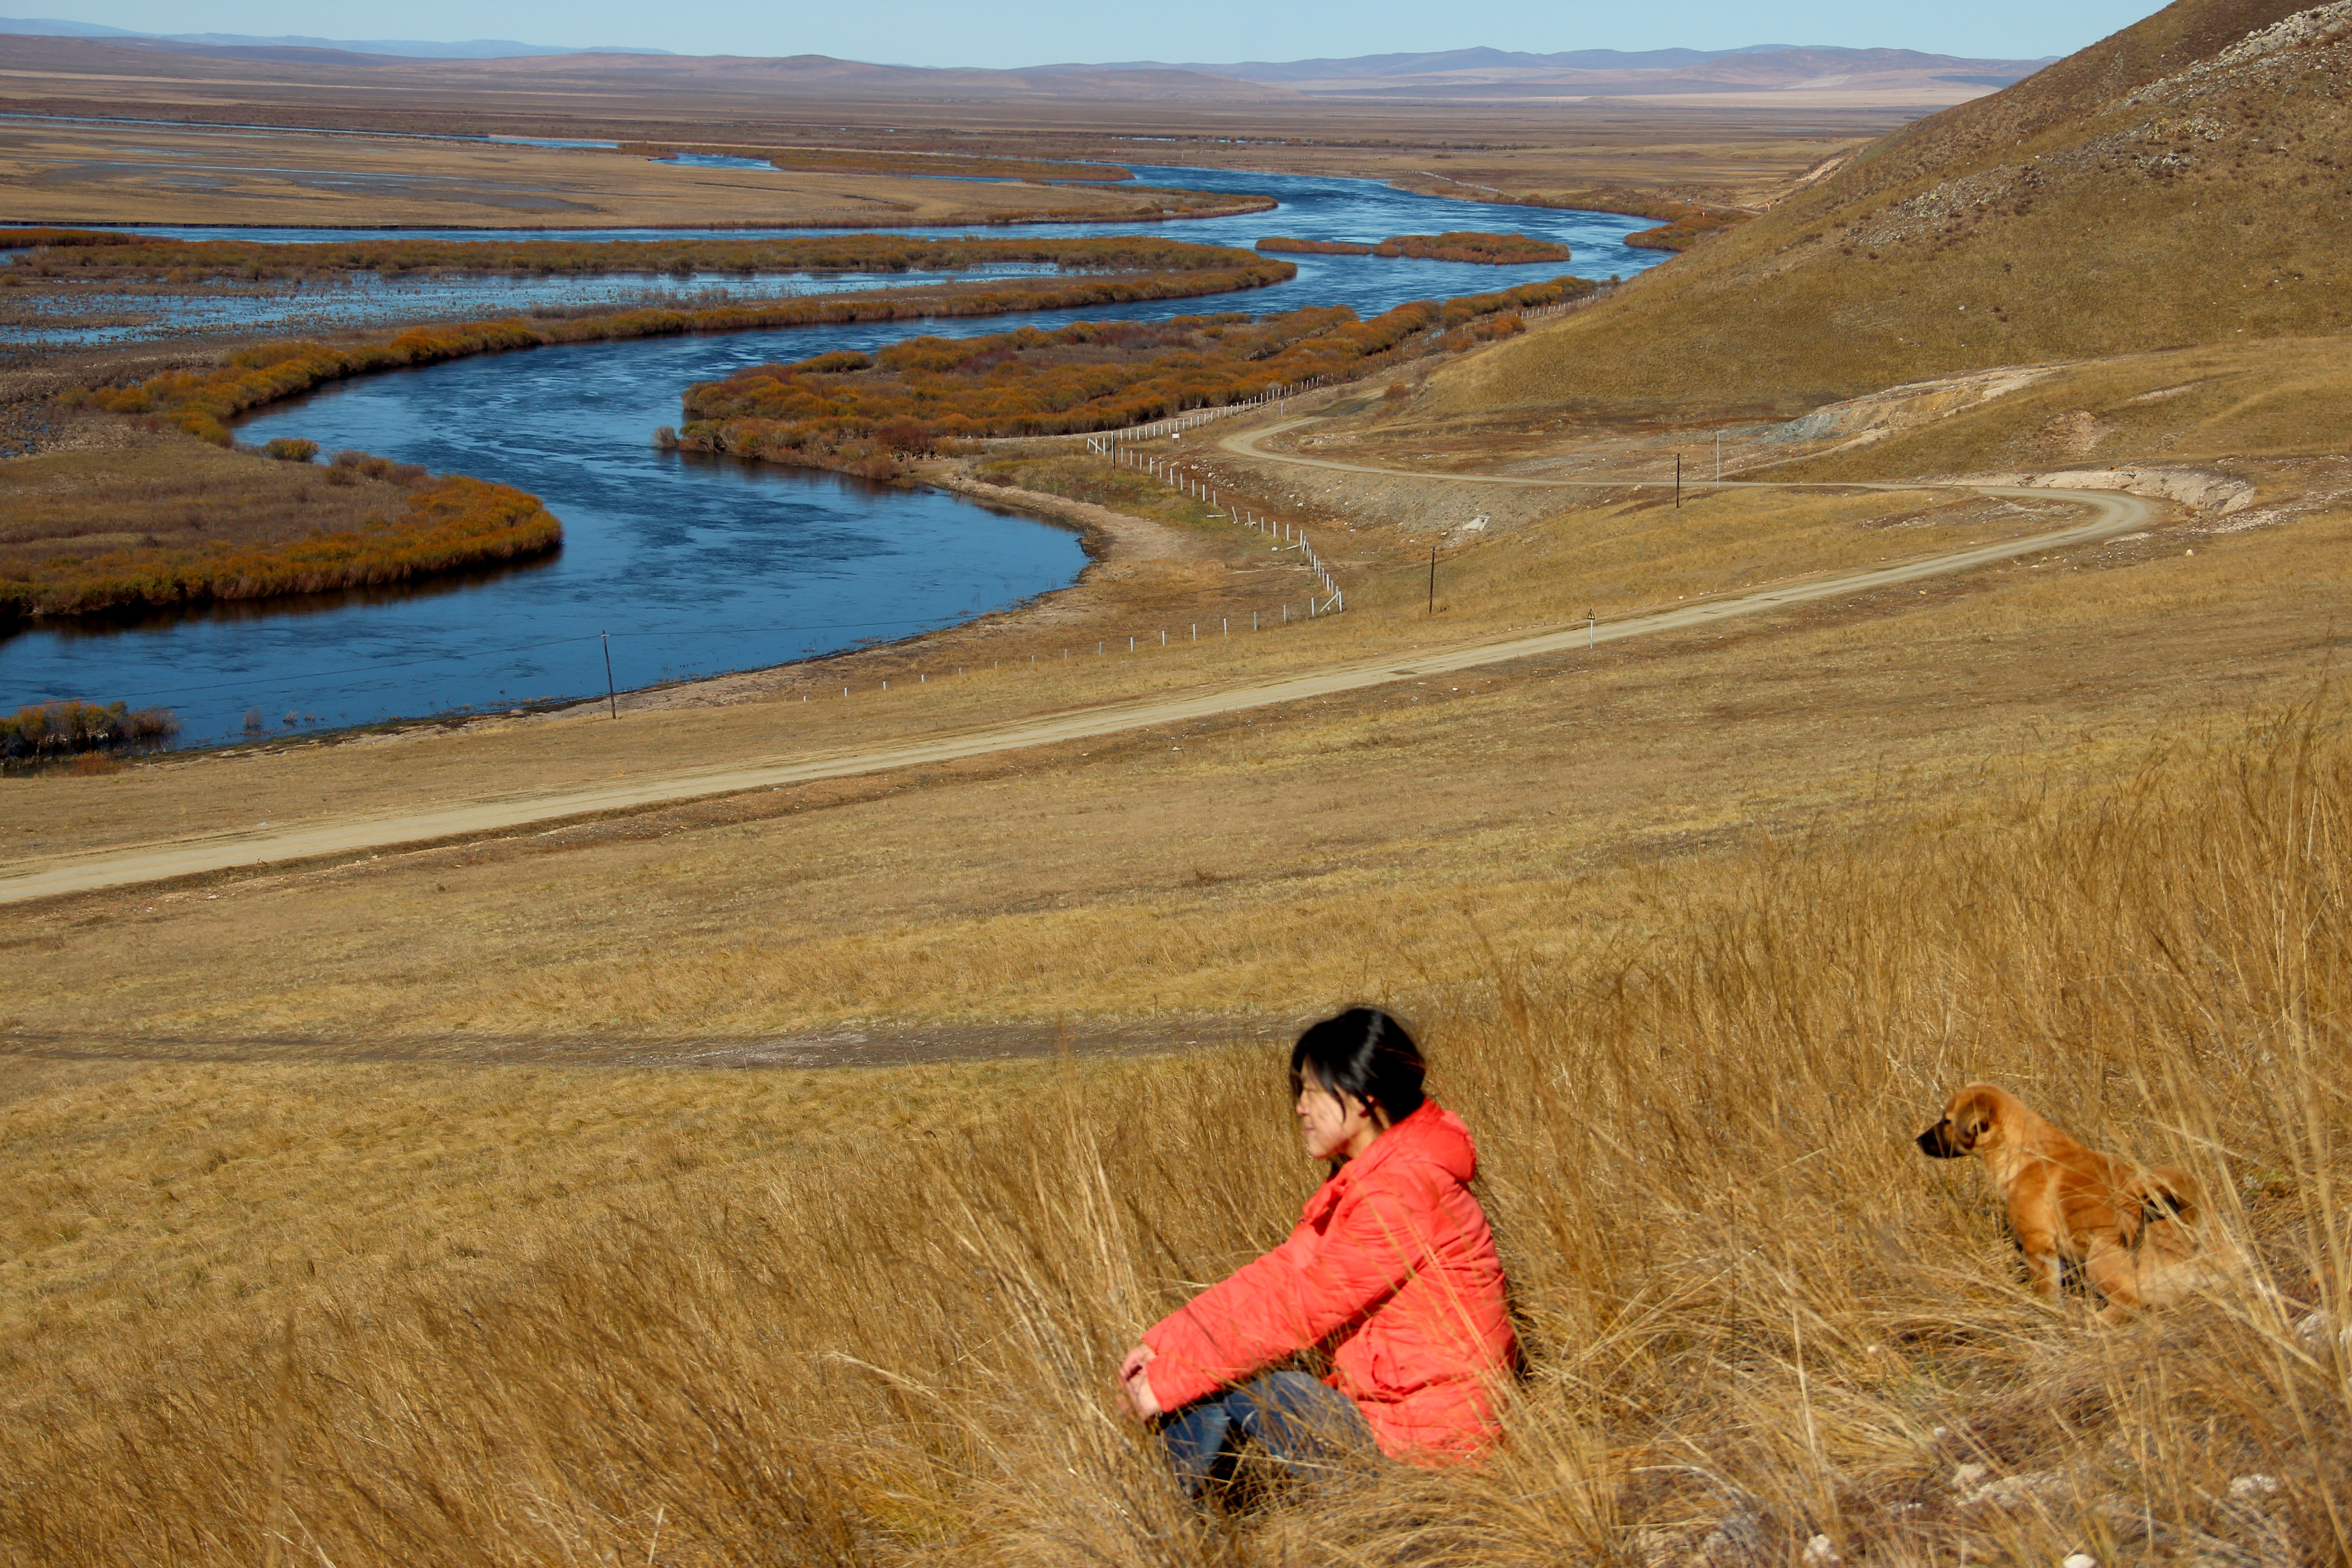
692,565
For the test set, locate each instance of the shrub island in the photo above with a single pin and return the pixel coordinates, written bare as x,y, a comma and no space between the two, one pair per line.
222,533
109,256
203,402
1455,245
859,413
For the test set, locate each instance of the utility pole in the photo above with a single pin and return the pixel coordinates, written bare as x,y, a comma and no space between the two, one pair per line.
1718,456
1433,579
1678,481
1592,630
610,697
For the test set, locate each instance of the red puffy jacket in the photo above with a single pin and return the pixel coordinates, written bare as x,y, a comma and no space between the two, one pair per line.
1392,1269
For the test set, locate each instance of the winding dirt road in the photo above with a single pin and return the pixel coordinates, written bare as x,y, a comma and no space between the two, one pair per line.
2110,513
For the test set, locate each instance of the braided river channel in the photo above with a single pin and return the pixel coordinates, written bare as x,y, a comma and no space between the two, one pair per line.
694,565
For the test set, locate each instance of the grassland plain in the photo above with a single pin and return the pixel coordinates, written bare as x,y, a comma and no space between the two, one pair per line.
895,161
1384,845
1616,554
1607,151
63,173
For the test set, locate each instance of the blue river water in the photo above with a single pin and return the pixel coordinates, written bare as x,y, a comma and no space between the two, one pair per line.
685,565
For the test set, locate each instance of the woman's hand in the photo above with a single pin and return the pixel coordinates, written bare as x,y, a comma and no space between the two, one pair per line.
1134,1388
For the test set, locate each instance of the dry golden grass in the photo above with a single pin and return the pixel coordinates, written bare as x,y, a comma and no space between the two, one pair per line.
177,1199
1753,1311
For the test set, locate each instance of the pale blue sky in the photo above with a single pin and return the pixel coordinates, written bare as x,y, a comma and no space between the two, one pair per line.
1037,32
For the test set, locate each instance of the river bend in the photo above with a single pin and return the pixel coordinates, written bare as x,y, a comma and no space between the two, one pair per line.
693,565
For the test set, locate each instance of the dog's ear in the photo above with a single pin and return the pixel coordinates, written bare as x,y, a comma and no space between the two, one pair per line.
1975,1113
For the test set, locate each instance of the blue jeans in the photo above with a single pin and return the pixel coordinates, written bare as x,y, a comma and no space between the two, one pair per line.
1306,1427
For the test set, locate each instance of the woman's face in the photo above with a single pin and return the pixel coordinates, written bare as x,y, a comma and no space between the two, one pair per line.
1336,1127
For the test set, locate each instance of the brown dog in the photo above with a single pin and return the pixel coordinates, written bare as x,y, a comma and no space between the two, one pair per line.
2133,1231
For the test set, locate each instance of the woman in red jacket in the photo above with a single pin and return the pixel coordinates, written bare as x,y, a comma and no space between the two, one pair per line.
1392,1271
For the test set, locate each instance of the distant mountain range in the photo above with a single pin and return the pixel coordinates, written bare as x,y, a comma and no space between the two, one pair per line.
1498,73
1805,75
1451,61
472,50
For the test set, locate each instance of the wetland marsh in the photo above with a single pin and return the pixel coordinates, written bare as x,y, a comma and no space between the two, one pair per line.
696,565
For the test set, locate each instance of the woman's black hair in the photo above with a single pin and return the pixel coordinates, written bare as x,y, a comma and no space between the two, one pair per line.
1363,1054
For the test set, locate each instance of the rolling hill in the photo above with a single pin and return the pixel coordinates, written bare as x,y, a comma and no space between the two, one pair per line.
1486,73
2183,182
1475,74
469,49
263,66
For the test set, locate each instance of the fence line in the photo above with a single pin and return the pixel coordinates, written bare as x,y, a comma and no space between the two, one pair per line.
1185,482
1294,537
1109,440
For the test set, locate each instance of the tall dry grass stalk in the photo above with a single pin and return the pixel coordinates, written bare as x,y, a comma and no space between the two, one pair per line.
1754,1314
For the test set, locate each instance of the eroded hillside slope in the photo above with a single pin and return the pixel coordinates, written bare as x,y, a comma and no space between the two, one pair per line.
2184,182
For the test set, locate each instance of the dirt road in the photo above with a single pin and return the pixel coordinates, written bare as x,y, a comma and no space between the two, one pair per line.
2110,513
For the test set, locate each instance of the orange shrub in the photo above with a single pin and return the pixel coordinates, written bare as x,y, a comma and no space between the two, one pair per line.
1281,242
202,404
449,523
827,412
1455,245
103,255
1471,245
1686,224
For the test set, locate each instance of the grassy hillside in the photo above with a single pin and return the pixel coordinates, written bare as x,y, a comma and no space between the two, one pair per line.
2181,183
2236,406
1755,1314
396,1210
